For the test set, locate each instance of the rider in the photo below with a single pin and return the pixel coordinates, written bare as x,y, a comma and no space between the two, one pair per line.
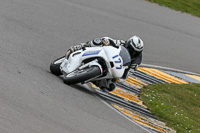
134,45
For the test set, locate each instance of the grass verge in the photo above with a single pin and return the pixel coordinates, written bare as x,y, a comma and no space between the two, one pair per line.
188,6
177,105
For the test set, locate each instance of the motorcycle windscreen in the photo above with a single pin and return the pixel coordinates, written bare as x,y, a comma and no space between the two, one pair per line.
125,56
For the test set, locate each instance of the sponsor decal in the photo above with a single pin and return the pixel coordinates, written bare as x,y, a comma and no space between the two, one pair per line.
139,45
91,53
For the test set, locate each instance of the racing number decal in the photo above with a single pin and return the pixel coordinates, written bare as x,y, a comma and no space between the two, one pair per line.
118,61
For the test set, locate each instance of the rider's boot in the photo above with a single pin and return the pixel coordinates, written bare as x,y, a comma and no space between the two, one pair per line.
111,88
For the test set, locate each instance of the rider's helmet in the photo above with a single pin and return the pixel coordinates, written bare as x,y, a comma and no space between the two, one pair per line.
134,45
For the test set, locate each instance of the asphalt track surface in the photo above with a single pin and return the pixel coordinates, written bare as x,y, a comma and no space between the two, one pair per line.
35,32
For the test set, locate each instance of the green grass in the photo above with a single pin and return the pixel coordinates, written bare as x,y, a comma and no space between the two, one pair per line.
188,6
177,105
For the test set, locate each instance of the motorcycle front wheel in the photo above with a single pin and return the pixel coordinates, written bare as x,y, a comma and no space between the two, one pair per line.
79,76
55,66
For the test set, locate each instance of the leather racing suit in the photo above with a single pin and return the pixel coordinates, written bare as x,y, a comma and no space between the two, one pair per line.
107,41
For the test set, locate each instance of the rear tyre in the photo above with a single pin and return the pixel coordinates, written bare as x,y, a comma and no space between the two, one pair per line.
79,76
55,66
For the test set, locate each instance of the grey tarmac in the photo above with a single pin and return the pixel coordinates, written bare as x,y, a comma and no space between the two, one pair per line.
35,32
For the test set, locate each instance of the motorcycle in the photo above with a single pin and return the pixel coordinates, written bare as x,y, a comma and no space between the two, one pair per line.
99,65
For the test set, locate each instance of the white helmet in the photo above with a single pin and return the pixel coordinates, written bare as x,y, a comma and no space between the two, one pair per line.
134,44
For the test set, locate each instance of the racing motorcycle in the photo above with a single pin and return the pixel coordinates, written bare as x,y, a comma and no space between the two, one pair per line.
99,65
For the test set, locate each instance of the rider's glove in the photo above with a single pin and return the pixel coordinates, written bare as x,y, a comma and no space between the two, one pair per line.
73,49
76,48
134,66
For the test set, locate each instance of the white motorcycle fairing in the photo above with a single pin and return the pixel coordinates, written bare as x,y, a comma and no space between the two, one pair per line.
113,59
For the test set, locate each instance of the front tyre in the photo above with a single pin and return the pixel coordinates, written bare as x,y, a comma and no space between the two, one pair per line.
79,76
55,66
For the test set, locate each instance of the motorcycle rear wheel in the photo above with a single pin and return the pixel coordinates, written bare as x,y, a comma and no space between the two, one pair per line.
79,76
55,66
